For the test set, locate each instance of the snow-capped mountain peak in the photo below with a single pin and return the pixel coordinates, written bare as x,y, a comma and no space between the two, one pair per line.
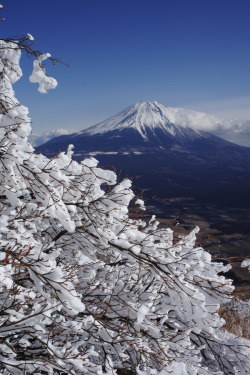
144,116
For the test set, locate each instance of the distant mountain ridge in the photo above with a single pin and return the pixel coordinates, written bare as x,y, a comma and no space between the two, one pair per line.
173,159
38,139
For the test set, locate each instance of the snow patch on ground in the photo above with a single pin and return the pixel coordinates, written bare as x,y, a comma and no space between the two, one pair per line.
103,153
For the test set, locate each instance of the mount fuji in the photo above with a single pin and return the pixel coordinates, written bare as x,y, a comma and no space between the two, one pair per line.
163,145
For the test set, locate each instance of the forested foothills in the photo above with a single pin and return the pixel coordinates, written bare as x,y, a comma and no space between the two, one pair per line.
85,286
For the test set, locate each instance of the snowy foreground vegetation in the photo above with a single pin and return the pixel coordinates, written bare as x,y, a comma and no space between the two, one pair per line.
85,287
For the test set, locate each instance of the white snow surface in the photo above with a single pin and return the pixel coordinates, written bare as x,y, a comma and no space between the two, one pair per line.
152,115
94,153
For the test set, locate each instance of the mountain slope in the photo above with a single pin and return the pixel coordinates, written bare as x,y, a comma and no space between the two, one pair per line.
172,158
145,125
146,116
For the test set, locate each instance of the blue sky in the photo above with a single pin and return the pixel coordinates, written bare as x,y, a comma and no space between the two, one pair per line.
182,53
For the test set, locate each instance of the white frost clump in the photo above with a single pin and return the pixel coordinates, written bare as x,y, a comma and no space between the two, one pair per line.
85,288
246,263
39,75
140,203
29,36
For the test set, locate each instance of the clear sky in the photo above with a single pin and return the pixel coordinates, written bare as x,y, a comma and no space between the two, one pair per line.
182,53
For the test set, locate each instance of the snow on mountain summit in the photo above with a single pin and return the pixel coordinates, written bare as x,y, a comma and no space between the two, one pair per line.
145,127
151,115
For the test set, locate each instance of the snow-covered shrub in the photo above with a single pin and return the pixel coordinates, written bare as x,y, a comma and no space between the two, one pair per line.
84,288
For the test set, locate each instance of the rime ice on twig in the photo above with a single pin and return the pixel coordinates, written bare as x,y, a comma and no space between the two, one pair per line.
39,75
